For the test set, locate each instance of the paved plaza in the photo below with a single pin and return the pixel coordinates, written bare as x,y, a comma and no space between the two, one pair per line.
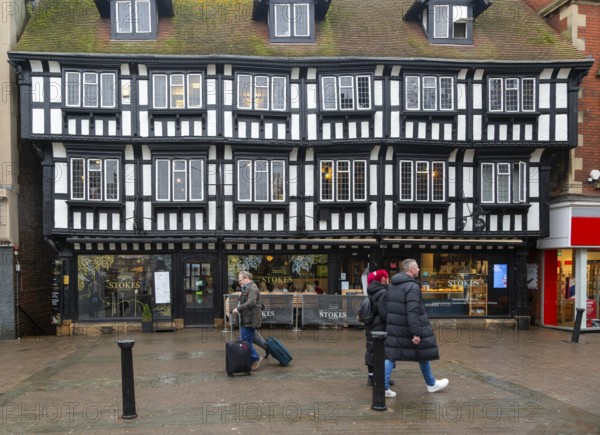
501,381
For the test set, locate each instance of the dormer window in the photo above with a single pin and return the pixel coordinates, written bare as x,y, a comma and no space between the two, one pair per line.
292,21
133,19
447,21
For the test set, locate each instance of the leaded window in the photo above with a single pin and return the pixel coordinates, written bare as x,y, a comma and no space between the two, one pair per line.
90,89
343,180
179,179
512,94
261,92
429,92
94,179
504,182
346,92
177,91
422,180
261,180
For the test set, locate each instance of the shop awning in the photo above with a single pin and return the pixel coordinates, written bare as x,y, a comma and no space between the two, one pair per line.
364,241
453,242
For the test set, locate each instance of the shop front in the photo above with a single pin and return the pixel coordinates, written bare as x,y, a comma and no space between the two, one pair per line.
571,267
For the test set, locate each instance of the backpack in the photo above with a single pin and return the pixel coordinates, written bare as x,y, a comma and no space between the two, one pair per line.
365,313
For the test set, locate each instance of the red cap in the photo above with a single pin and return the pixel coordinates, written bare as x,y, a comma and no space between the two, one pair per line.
378,275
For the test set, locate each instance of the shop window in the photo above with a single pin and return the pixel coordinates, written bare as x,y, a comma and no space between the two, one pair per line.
94,179
117,286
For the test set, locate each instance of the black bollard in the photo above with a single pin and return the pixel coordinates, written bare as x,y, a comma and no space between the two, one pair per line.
577,325
127,378
378,402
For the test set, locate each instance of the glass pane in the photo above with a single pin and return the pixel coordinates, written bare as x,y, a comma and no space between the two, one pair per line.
511,100
142,9
124,17
111,181
72,89
411,92
487,182
364,92
528,95
360,181
438,177
90,90
278,173
77,179
495,94
406,181
196,180
503,183
194,91
180,180
278,99
429,93
343,181
94,170
199,285
446,93
440,21
159,91
261,180
108,90
244,90
422,181
301,20
329,93
261,93
177,91
244,180
327,180
346,93
282,20
163,180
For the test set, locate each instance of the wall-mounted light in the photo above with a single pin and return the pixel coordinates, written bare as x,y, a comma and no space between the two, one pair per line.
594,178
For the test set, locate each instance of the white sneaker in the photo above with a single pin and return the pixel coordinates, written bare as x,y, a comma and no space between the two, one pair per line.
390,393
439,385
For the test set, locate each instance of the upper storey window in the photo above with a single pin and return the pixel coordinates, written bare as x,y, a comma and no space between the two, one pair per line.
260,92
346,92
133,19
428,92
90,89
512,94
291,21
177,91
451,22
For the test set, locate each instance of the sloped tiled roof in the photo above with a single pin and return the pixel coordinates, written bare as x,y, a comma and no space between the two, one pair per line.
507,31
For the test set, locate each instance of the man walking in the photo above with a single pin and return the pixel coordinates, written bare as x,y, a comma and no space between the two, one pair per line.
248,308
410,336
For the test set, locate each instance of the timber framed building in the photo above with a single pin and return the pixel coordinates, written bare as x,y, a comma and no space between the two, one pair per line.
303,140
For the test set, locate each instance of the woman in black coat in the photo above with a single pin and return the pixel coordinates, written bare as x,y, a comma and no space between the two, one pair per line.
376,289
410,336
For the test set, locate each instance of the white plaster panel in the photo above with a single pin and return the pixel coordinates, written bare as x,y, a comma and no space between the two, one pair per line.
544,127
185,128
212,215
394,93
562,96
56,121
55,92
228,209
422,130
197,128
112,127
414,221
461,96
311,96
85,127
461,129
280,222
493,222
293,180
477,126
228,123
408,133
211,123
401,221
126,123
427,221
468,180
490,132
544,98
335,221
293,219
61,217
147,207
129,178
281,131
211,97
339,130
311,121
144,123
116,222
60,178
534,182
255,130
171,128
36,66
254,222
533,217
310,213
102,221
295,126
546,74
158,128
373,215
360,221
199,218
516,133
89,221
452,181
228,90
378,124
561,127
76,220
37,89
326,131
129,209
347,221
309,174
378,92
395,124
72,126
352,130
389,215
186,221
294,95
146,154
503,132
435,131
364,129
160,221
389,180
563,73
373,180
268,130
528,132
518,223
477,96
268,222
143,95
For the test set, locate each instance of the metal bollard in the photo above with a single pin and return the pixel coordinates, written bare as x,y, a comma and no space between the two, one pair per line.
378,402
127,378
577,325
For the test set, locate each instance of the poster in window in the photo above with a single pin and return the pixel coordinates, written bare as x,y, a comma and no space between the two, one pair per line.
162,288
500,275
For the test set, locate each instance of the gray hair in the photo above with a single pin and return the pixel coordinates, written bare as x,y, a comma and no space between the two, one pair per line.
245,274
406,264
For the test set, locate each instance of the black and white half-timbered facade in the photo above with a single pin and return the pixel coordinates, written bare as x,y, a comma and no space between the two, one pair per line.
304,140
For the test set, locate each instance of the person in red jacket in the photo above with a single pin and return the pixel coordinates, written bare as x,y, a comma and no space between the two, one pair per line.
318,290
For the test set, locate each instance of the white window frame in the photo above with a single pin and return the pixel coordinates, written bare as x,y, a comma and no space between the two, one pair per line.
81,85
507,183
498,97
163,85
284,15
135,17
346,166
441,21
261,174
331,92
192,183
247,86
410,181
415,90
81,181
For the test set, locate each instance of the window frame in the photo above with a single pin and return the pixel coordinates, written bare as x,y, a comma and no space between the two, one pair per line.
167,94
84,183
449,22
274,184
101,91
497,94
169,190
140,22
352,168
334,89
410,185
285,19
503,183
276,89
415,95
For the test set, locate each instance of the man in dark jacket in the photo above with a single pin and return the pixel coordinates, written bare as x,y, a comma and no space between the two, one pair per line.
377,282
410,336
248,308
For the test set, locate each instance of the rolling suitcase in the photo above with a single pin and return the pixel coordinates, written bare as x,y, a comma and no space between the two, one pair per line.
278,350
237,357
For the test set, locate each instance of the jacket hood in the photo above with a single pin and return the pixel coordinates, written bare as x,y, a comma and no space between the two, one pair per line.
402,277
374,287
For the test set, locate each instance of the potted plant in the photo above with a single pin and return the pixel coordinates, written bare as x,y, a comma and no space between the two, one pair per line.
146,318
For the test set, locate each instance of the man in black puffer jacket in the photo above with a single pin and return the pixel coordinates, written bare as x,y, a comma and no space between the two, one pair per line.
410,336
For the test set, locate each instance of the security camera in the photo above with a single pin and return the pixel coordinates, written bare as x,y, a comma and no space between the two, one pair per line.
595,175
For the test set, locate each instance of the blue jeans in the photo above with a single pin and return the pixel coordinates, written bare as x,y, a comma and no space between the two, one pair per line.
423,365
247,335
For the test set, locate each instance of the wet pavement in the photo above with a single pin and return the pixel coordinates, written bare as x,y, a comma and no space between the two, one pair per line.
501,381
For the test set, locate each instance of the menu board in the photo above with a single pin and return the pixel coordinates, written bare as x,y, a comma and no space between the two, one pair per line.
162,288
